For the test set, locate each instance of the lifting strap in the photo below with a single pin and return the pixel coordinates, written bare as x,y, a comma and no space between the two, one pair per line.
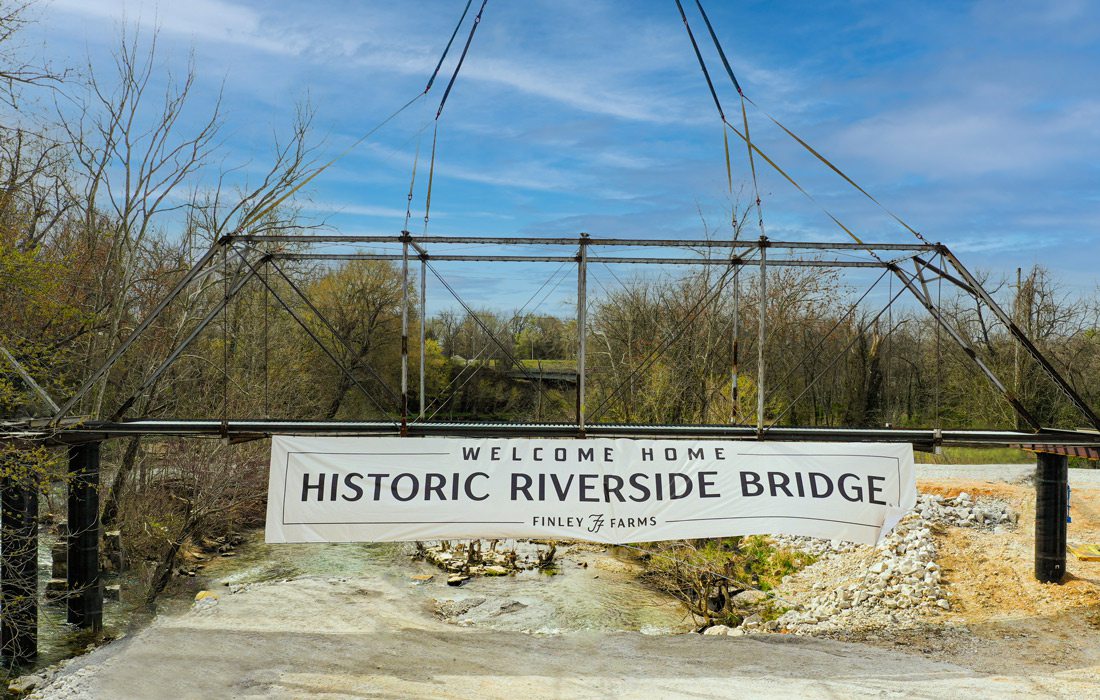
461,59
448,47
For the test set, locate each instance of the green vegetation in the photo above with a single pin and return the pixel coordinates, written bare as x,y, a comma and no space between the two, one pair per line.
707,574
976,455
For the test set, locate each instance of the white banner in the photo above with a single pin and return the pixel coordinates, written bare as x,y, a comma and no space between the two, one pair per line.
359,489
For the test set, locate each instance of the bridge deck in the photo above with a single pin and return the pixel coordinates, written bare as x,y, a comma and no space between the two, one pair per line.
83,431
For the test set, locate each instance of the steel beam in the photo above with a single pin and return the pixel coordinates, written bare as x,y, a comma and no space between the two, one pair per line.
582,325
405,323
593,240
220,244
185,343
83,431
979,292
324,348
724,262
761,335
423,324
29,380
970,352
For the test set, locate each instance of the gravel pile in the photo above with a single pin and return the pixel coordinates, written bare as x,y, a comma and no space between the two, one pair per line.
963,511
860,586
903,576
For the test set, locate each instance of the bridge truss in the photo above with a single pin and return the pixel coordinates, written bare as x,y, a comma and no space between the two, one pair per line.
254,258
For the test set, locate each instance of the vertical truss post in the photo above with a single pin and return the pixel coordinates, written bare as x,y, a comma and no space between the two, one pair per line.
423,323
582,324
19,563
735,399
404,329
1051,511
761,333
85,595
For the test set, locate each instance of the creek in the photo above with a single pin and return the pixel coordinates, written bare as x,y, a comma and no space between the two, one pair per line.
588,590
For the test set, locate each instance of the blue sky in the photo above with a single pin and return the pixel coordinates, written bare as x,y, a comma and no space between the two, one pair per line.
979,122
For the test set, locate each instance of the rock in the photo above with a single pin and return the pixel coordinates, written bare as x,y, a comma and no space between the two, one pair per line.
736,632
112,540
25,684
496,571
717,629
457,579
752,620
112,593
422,578
56,588
943,604
747,598
204,599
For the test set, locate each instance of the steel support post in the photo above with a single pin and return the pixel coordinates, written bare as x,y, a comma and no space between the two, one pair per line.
423,324
582,325
735,399
404,327
85,593
761,333
18,564
1051,513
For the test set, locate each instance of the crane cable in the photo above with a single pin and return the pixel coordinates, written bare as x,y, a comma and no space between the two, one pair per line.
263,211
744,116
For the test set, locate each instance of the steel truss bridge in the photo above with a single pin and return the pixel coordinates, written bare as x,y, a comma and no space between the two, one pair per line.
252,258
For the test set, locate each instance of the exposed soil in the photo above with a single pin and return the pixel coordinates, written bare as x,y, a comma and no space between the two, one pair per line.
1003,620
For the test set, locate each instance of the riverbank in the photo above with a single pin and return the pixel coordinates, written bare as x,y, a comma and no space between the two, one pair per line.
362,620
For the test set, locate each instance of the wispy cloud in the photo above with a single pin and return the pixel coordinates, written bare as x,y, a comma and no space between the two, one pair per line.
208,21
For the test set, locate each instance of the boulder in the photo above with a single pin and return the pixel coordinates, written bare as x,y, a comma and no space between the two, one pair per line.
747,598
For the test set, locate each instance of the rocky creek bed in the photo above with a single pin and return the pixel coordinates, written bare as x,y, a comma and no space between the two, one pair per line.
903,591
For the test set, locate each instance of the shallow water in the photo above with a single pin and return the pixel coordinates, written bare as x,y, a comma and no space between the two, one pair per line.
599,596
57,639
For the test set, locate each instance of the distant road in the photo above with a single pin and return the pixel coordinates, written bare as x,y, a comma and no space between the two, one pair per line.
1009,473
